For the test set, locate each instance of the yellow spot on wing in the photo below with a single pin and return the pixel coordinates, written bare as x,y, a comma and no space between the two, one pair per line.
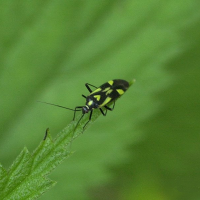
97,90
106,89
111,82
108,92
120,91
90,103
108,99
97,97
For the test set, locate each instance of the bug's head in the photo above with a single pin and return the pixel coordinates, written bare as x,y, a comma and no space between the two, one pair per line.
85,109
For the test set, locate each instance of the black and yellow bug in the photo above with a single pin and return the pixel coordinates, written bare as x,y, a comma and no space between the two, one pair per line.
100,97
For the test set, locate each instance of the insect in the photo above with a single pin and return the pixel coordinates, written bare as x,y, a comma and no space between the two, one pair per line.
99,98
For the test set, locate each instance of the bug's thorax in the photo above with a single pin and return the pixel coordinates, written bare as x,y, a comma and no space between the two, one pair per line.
91,103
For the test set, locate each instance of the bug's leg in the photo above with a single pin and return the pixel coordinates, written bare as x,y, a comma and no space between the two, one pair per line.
110,108
78,121
88,87
89,119
77,109
83,96
104,114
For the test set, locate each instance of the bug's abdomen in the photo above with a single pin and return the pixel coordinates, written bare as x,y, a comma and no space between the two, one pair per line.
120,84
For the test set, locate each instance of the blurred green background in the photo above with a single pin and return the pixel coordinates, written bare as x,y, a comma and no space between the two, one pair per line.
149,146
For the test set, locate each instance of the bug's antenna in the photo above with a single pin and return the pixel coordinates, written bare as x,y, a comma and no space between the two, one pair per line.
58,106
